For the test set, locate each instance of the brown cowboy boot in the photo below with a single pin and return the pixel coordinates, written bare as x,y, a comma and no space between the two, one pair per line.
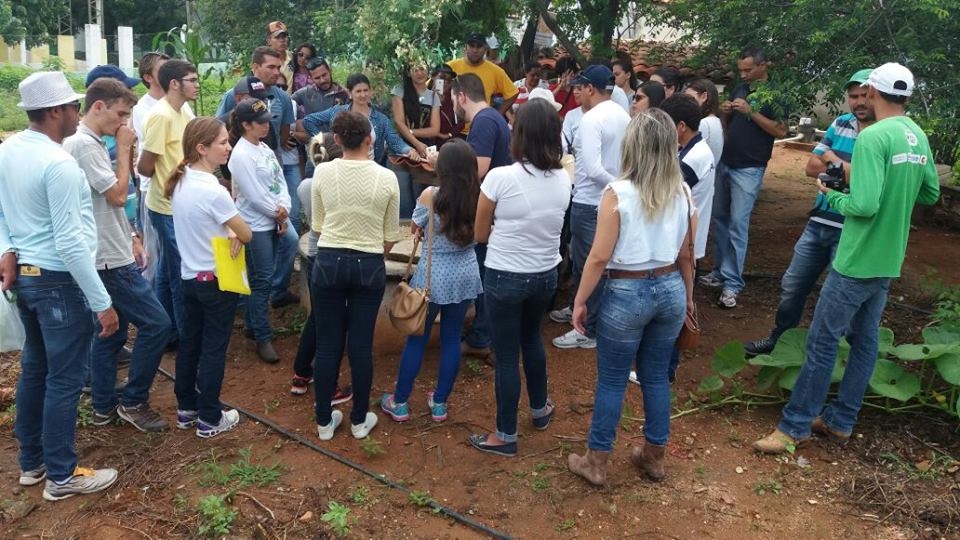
649,458
592,466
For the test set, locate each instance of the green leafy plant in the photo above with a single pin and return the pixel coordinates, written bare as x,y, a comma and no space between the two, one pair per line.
85,412
540,483
474,366
179,503
215,516
768,486
52,63
359,494
420,498
371,447
186,43
338,517
565,525
243,473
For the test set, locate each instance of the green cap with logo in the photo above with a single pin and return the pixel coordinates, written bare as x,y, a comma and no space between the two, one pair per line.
858,78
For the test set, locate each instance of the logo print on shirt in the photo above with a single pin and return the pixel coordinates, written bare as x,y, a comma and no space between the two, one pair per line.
911,138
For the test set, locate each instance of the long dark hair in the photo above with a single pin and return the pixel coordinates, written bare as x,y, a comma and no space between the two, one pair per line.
201,130
536,135
654,91
294,66
411,100
704,86
456,200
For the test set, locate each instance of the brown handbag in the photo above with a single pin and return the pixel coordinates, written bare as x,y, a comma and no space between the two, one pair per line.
690,331
408,305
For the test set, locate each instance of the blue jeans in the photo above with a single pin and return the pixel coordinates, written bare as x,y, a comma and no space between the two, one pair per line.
515,306
285,249
479,335
58,326
636,316
583,227
263,256
408,198
291,173
202,354
347,290
846,306
736,192
452,316
135,302
167,282
812,254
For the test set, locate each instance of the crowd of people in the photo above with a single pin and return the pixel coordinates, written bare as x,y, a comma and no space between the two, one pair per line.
581,168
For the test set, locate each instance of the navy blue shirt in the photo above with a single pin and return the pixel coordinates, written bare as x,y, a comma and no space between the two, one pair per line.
490,137
748,145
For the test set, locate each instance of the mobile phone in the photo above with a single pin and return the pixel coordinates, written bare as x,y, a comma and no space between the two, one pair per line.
438,86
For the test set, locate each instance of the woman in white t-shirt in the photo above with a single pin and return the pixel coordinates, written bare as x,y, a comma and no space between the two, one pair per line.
520,215
264,203
202,210
705,92
643,247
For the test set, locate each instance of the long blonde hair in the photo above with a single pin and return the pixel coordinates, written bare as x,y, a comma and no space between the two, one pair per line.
648,159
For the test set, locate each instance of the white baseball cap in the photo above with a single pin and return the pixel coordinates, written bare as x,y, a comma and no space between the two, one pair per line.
544,94
892,78
45,89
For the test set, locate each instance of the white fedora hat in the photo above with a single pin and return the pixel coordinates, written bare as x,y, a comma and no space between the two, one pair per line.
544,94
45,89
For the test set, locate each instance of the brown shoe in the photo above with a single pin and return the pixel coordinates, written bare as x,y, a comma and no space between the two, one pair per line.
649,458
592,466
778,442
267,353
820,427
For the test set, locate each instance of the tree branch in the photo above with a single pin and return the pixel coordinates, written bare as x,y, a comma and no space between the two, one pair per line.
544,6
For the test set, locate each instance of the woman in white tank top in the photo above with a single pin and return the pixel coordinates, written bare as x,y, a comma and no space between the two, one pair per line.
643,227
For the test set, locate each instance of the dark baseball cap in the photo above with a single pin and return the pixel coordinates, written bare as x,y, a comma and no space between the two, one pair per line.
596,75
252,110
251,86
476,38
110,72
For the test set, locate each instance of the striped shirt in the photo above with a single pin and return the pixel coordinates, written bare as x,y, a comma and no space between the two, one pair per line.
840,137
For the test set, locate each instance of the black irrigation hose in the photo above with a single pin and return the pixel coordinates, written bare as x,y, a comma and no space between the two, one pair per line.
437,507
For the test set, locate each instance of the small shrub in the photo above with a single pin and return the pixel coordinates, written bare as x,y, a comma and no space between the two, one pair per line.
215,516
338,517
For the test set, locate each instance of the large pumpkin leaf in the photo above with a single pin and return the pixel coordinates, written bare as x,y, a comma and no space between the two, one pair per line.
886,340
789,377
838,371
891,380
710,384
791,347
924,351
939,335
949,367
729,359
767,376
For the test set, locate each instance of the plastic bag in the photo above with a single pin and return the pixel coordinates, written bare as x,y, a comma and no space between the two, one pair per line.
12,335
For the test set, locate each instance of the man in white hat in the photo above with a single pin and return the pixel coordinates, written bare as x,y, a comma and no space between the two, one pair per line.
892,170
48,239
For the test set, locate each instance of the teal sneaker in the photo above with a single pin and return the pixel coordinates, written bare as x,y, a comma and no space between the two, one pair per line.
398,411
438,411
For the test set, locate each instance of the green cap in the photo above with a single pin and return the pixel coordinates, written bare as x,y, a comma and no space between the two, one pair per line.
859,77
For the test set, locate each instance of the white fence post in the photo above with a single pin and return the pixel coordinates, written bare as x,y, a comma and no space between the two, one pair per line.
125,47
91,39
23,52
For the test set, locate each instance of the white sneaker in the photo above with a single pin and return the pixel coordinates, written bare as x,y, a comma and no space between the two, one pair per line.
710,280
574,339
82,482
633,377
728,299
564,315
229,419
34,477
360,431
326,432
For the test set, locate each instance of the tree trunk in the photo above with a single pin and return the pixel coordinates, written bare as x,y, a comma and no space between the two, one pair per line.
544,7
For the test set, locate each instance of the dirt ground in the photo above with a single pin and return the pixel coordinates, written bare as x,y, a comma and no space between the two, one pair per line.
716,486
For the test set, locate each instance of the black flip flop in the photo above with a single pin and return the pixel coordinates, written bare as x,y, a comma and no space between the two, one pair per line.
479,442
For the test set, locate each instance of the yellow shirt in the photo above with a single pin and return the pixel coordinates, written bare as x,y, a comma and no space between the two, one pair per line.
163,136
494,78
356,205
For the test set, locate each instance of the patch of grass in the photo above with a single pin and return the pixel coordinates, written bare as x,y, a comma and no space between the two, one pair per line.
84,410
700,471
540,467
565,525
565,448
215,516
271,406
337,517
474,366
244,472
768,486
928,469
179,503
359,494
420,498
540,483
371,447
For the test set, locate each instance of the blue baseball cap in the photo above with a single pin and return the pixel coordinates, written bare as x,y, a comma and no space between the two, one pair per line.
110,72
596,75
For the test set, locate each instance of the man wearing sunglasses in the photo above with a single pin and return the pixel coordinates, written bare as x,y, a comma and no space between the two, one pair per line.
48,237
323,93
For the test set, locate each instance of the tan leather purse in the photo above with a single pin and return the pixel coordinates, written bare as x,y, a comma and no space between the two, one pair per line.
409,306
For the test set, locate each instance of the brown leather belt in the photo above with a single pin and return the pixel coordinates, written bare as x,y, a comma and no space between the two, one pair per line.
641,274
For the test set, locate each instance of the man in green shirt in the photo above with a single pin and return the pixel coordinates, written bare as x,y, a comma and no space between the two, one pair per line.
892,170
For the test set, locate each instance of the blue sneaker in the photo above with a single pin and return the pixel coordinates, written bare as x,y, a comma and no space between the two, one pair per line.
438,411
398,411
186,419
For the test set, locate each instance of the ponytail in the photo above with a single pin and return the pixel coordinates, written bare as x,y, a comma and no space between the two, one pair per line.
201,131
234,128
175,179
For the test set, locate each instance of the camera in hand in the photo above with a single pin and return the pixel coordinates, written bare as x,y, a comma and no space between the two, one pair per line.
833,178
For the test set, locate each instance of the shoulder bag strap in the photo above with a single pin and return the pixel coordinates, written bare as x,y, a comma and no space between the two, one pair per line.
430,244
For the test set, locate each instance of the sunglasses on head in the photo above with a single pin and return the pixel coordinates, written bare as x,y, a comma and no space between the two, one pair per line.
316,62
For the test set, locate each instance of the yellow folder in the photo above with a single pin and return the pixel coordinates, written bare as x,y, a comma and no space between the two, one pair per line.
231,272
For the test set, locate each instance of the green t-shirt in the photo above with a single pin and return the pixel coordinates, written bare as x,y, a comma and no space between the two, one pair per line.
892,169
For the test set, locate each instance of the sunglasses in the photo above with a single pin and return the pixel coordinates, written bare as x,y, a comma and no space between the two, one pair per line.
74,104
